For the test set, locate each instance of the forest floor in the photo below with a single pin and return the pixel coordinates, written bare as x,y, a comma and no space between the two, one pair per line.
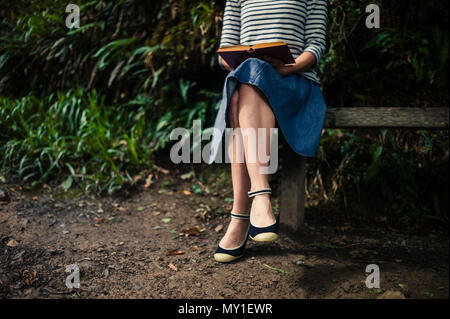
158,242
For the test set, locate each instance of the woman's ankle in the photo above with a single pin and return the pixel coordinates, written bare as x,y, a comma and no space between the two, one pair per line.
262,212
235,234
241,209
259,186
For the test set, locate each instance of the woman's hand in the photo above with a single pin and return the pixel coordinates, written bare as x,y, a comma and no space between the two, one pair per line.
283,69
226,65
302,63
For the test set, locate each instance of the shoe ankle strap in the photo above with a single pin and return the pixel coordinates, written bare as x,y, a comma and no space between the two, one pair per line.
260,192
240,216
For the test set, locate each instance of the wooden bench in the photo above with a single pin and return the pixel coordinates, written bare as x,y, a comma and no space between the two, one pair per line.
292,197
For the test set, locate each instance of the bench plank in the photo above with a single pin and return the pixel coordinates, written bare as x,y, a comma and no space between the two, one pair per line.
387,117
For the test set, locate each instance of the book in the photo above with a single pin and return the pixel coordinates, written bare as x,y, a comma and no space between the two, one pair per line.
236,54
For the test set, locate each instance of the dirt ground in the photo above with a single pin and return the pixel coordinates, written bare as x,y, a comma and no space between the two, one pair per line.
158,242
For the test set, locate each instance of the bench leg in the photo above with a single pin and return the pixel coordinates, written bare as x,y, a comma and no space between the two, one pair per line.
292,199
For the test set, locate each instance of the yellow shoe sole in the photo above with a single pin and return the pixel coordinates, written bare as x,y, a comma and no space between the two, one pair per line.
265,237
225,258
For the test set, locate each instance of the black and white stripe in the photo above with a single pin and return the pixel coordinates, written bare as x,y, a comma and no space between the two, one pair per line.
299,23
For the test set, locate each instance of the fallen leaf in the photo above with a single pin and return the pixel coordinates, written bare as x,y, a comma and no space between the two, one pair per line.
197,189
148,181
218,228
186,192
175,252
196,247
98,221
12,243
35,198
203,210
166,220
188,175
192,231
173,267
160,169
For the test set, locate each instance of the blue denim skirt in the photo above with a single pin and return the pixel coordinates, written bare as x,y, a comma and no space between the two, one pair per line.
297,103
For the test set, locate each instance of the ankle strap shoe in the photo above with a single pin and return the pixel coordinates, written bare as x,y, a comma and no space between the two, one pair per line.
263,234
225,255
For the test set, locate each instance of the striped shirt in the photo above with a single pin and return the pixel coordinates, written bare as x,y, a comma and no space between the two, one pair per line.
300,23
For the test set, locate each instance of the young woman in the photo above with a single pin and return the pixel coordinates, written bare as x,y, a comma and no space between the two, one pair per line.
259,94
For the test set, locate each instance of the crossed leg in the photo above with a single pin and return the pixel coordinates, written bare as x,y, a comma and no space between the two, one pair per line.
248,109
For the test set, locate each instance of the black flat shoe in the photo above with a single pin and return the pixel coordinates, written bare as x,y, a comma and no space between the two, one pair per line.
267,233
225,255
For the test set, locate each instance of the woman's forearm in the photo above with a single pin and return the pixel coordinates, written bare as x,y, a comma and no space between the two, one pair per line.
304,62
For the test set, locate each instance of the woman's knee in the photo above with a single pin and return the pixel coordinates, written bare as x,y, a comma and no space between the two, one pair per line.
252,92
246,89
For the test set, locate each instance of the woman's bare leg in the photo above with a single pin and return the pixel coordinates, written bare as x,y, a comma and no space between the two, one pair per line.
248,109
254,113
237,229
